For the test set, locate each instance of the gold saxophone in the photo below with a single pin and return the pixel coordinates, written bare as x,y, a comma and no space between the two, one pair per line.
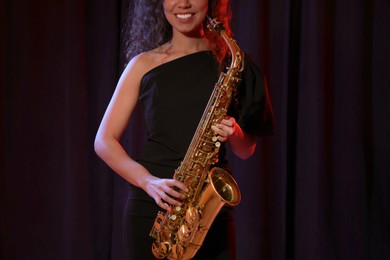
180,231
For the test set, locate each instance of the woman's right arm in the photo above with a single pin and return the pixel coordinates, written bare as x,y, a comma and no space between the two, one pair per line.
107,142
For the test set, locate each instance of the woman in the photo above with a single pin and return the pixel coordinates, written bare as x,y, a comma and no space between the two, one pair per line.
174,69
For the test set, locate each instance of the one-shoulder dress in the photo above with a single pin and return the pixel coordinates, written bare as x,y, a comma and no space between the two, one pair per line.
174,96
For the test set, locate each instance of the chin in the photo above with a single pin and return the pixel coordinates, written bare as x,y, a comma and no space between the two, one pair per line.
193,31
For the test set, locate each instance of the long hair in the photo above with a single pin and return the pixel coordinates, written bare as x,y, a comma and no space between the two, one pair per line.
147,28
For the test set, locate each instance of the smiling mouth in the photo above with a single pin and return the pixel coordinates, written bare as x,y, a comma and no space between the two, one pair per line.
183,16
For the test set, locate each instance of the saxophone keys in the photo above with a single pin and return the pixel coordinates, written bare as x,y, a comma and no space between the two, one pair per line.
183,233
173,222
161,250
192,215
216,142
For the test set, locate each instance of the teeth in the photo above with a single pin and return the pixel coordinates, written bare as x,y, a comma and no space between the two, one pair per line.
184,16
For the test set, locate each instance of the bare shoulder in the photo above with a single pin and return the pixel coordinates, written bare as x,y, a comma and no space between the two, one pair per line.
145,61
139,64
131,77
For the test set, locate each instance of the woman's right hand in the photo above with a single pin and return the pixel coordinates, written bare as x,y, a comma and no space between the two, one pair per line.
166,192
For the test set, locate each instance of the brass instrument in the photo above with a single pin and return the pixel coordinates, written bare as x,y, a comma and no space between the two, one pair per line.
180,232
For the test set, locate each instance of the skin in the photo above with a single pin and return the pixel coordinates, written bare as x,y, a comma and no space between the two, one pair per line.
186,17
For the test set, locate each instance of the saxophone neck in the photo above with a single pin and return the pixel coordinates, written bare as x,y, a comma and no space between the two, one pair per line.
237,56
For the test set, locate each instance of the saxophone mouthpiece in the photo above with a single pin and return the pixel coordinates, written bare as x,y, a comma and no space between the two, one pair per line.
215,25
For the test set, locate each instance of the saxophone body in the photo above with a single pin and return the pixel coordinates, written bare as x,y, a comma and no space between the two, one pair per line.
179,232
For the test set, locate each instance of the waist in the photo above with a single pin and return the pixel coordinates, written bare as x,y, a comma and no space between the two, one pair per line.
159,154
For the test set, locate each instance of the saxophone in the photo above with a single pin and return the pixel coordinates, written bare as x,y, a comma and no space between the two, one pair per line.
179,232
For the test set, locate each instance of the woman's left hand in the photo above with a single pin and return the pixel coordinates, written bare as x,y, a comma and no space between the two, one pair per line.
242,144
225,128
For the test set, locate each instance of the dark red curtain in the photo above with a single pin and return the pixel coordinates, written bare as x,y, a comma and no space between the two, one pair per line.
317,189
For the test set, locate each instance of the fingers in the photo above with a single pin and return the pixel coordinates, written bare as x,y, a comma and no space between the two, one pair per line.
162,204
229,121
169,192
225,128
222,134
178,184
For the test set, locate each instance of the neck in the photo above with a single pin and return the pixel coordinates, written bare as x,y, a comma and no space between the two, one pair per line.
187,43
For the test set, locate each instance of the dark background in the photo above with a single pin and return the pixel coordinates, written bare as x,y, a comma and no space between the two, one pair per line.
316,190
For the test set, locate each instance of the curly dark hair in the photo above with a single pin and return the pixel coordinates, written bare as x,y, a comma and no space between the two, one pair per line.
147,28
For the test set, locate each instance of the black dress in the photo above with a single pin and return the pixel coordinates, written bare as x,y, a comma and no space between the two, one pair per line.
174,96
